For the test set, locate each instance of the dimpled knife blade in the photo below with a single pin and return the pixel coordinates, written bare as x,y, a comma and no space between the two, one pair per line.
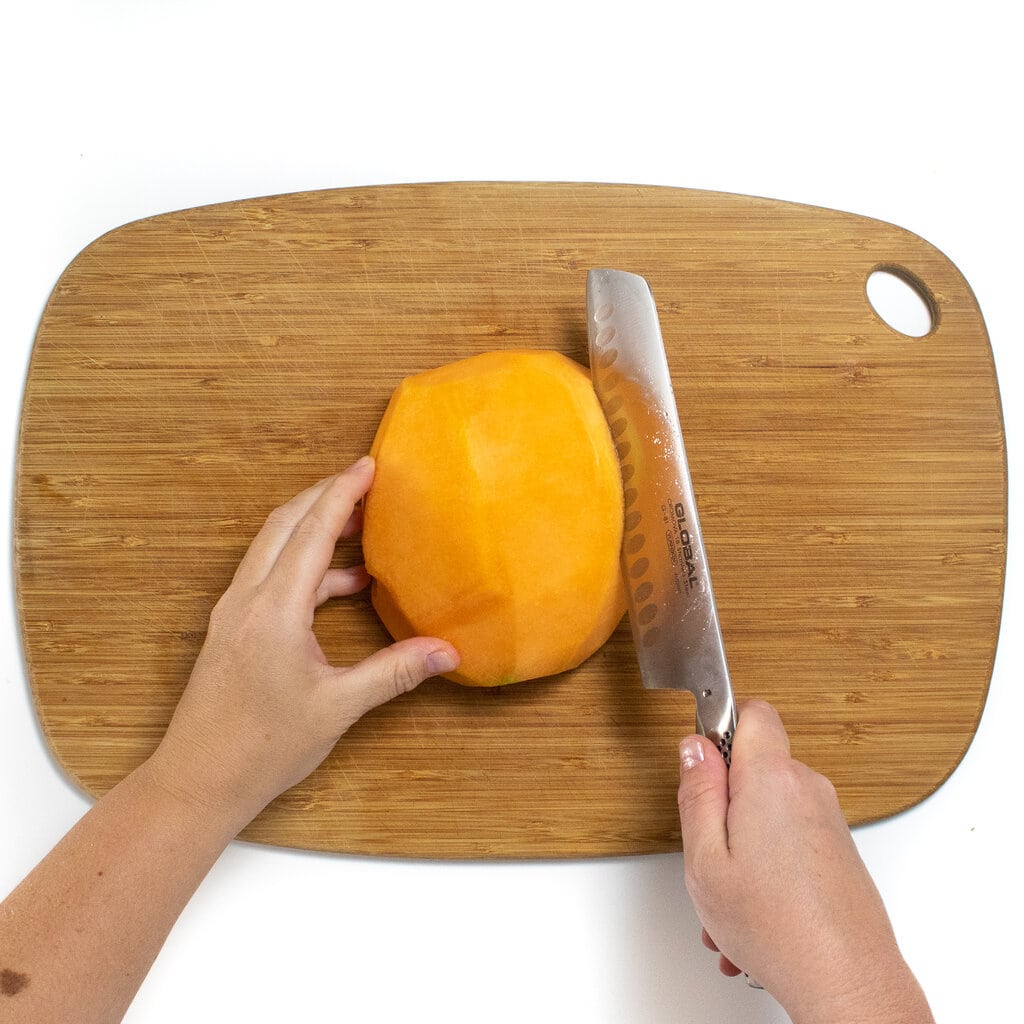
671,604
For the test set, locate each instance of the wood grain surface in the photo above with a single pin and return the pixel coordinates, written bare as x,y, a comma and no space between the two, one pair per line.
193,370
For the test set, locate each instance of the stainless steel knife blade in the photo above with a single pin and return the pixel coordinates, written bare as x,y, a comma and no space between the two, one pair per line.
672,609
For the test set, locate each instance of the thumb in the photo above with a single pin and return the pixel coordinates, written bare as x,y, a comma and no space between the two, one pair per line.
392,671
703,797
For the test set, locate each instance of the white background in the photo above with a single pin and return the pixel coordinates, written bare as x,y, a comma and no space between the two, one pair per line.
905,112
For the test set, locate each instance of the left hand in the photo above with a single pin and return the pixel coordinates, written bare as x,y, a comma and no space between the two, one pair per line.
263,706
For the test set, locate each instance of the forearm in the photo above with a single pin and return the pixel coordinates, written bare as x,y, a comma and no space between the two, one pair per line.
79,934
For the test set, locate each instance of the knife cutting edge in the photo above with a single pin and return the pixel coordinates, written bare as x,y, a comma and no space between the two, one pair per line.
671,604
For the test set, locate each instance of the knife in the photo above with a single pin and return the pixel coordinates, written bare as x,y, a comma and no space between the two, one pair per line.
671,604
672,611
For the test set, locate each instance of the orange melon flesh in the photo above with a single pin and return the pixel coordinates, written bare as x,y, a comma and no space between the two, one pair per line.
495,516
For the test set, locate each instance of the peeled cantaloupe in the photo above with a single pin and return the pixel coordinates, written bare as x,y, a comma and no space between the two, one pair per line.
495,516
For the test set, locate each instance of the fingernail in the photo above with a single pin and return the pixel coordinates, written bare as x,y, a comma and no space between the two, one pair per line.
364,463
441,661
691,753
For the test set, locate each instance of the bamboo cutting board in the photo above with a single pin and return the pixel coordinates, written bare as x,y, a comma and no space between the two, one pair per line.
193,370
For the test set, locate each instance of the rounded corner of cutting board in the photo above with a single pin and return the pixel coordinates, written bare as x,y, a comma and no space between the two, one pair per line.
222,309
60,756
904,803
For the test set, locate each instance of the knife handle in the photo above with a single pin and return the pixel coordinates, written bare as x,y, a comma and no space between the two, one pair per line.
724,744
722,738
720,727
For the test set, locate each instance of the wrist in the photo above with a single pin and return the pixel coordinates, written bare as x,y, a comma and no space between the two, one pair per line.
886,992
192,794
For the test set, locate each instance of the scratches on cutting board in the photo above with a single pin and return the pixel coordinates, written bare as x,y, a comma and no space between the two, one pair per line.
220,284
778,320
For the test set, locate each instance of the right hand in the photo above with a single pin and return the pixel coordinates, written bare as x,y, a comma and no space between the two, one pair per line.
779,885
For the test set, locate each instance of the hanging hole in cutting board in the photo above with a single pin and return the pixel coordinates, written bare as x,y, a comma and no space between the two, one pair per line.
901,301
